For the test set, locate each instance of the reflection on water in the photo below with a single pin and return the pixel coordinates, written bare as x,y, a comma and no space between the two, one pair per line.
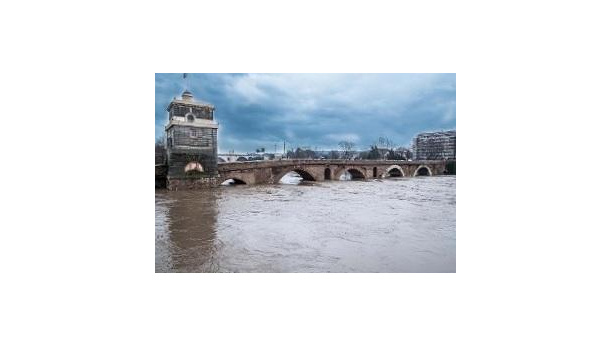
391,225
186,231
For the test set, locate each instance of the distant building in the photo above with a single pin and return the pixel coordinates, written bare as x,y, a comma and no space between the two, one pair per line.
434,145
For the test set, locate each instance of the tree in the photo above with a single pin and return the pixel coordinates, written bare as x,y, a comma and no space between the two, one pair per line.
395,156
309,154
346,147
386,143
405,152
450,167
374,153
300,153
160,150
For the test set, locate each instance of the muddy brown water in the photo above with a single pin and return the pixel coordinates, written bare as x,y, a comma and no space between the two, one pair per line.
390,225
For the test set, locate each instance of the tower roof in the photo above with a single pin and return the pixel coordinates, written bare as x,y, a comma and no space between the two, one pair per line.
187,95
188,99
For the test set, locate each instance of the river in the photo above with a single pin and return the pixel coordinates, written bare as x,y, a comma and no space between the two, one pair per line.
389,225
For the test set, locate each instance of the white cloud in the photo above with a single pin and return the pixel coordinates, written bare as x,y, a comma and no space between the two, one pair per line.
375,92
248,88
343,137
257,110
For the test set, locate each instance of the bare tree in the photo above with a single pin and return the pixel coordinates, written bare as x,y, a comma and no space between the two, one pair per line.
386,142
347,148
159,142
404,152
160,150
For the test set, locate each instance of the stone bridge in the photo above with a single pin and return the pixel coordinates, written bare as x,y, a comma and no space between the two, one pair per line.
270,172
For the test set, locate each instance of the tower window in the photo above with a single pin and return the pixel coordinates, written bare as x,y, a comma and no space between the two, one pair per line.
193,167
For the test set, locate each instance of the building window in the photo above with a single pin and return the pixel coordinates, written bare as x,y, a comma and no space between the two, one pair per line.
193,133
190,118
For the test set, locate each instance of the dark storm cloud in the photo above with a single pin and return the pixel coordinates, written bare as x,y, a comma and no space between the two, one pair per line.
315,110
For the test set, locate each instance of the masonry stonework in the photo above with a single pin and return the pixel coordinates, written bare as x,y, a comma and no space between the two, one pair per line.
191,143
270,172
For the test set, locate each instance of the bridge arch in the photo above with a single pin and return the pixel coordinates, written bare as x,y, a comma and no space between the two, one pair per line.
327,174
305,175
394,171
221,160
423,170
241,159
232,181
357,173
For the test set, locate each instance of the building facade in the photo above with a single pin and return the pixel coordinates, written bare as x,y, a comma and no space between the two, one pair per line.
435,145
191,143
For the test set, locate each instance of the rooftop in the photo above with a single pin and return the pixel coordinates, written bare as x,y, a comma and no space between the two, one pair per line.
188,99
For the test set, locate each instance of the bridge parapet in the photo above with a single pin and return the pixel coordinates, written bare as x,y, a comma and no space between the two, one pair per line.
290,162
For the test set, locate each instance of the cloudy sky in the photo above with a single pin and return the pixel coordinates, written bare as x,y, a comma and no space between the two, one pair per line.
315,110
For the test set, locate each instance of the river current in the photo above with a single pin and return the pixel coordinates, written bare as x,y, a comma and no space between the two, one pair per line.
389,225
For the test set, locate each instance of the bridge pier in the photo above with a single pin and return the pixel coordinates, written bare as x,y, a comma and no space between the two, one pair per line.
191,183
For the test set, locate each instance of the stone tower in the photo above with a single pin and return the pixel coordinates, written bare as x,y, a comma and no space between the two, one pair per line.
192,144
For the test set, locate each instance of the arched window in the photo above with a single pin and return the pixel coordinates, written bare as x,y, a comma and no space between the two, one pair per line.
193,167
190,118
